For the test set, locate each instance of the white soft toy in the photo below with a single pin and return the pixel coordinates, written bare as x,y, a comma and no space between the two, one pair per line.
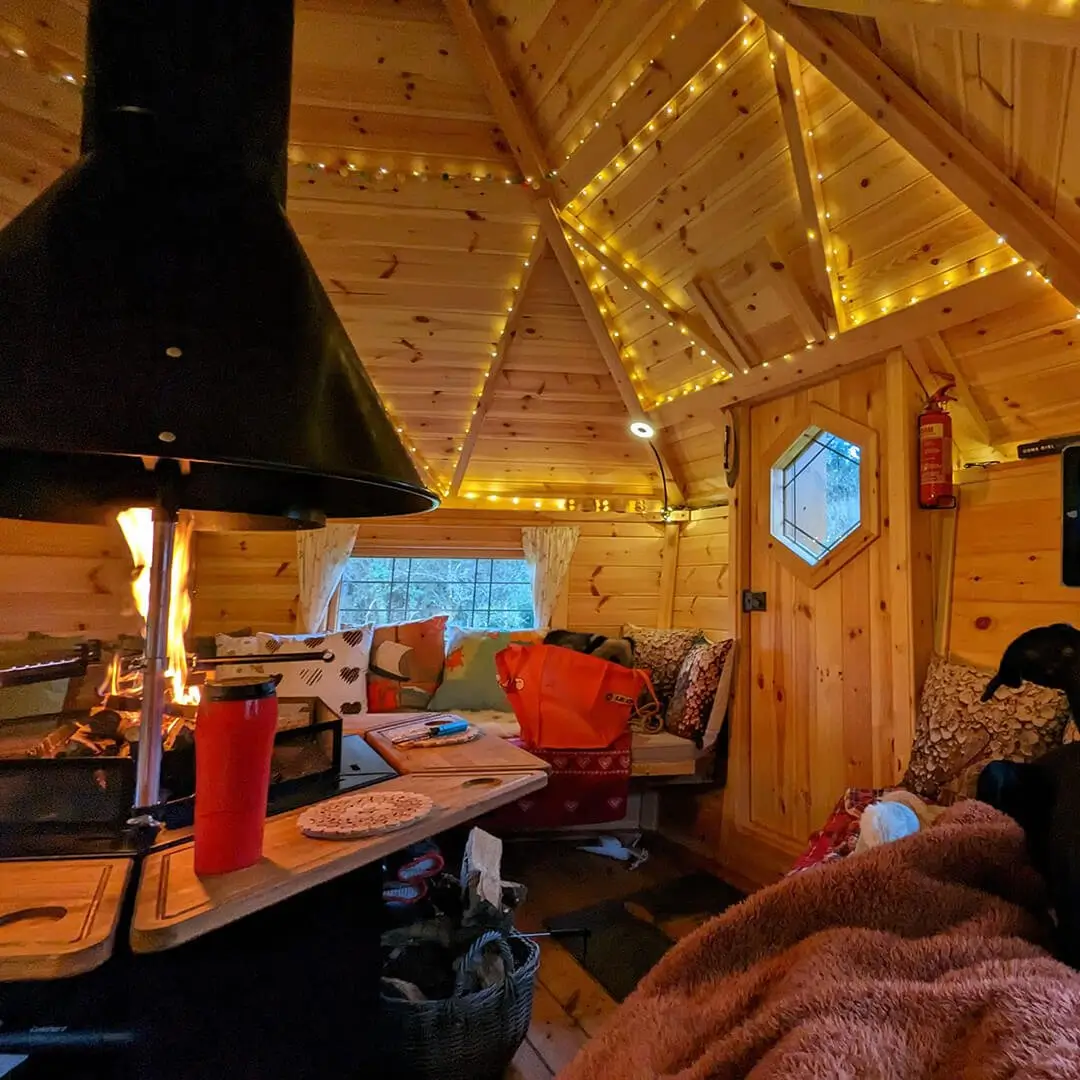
884,822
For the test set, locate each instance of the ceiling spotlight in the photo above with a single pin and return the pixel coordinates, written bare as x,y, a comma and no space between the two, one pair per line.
642,429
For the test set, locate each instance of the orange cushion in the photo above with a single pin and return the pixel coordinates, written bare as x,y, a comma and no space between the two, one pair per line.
406,665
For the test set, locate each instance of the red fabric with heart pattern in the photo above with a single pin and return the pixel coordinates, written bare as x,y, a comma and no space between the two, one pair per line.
585,787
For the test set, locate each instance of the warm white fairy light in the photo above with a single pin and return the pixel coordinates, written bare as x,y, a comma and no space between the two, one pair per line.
690,88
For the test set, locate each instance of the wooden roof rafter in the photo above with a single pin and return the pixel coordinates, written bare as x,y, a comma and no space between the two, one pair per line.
1048,21
498,359
936,368
662,79
808,177
930,139
711,309
497,80
552,225
637,282
862,344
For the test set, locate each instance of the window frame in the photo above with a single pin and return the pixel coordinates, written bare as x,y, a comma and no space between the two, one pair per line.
334,614
809,422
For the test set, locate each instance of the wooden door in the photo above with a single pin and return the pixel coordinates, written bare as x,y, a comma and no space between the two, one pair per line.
830,697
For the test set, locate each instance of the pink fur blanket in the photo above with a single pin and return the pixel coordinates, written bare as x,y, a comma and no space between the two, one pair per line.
922,958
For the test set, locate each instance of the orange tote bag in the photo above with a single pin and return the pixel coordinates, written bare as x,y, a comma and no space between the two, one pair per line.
567,700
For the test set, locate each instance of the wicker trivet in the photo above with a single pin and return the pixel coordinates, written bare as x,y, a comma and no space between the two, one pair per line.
367,814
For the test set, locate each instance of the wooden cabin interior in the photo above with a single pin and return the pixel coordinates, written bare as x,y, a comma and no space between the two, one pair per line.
761,232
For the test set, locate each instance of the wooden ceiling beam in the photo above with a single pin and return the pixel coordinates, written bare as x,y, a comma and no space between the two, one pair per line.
861,344
502,350
474,32
497,78
789,89
809,318
1048,21
936,368
711,310
902,113
552,227
695,325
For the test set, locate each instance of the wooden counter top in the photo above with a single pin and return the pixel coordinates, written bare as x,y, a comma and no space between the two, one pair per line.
488,753
72,907
173,905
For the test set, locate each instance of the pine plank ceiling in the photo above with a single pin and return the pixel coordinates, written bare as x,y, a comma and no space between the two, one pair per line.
541,218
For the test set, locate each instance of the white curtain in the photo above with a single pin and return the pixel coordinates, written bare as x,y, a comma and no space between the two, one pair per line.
548,551
323,554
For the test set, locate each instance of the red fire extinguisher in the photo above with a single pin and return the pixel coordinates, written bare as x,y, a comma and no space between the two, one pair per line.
935,453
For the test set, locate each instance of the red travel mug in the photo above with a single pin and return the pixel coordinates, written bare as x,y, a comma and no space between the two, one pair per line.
234,740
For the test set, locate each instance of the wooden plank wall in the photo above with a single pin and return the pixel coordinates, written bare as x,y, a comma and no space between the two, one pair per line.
702,581
250,579
64,580
1007,576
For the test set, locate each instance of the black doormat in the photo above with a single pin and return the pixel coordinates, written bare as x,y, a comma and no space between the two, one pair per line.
627,937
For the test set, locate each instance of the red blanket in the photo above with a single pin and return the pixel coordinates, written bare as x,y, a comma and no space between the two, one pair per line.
923,958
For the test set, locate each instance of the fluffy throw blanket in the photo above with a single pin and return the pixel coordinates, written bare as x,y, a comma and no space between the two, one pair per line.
922,958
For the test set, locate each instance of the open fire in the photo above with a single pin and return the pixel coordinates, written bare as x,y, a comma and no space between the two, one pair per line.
137,525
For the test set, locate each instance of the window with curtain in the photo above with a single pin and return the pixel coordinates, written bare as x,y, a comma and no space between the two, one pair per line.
491,594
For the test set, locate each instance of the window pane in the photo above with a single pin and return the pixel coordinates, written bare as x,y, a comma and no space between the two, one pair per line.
817,496
478,593
510,570
365,569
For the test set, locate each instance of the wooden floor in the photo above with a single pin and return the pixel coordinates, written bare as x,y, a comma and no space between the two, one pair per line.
569,1004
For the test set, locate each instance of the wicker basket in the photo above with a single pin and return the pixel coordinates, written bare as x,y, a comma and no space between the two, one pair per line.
470,1036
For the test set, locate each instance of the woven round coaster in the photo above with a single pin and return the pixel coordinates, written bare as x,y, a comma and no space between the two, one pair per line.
416,737
367,814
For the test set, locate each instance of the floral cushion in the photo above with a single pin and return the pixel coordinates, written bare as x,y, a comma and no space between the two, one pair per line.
661,653
470,680
695,689
956,733
341,684
406,665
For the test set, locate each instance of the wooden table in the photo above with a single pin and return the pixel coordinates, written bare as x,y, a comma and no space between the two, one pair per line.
488,753
68,911
173,905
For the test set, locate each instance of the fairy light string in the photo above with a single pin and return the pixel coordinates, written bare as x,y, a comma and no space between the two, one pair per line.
379,170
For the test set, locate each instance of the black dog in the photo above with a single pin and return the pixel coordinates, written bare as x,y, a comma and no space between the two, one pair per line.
617,650
1044,796
1047,656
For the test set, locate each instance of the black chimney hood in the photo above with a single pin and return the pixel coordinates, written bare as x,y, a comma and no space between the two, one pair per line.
163,337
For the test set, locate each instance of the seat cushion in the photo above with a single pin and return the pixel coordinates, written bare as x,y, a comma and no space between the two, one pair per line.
470,680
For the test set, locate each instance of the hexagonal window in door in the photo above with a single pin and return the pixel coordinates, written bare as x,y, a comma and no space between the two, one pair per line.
823,488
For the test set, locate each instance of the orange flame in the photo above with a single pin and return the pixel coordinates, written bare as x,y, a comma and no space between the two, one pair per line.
137,525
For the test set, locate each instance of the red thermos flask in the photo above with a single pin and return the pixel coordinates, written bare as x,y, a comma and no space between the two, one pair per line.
234,740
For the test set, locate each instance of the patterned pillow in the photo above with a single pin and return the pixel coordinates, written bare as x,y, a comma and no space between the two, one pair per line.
695,689
341,684
661,653
469,679
956,733
406,665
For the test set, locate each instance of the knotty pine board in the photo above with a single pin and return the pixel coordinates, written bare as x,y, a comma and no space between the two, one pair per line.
251,579
702,582
1007,576
65,580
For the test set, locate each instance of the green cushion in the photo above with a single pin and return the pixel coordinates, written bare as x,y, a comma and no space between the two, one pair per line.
469,677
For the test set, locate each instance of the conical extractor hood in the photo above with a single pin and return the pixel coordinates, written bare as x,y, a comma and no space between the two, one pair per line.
163,336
